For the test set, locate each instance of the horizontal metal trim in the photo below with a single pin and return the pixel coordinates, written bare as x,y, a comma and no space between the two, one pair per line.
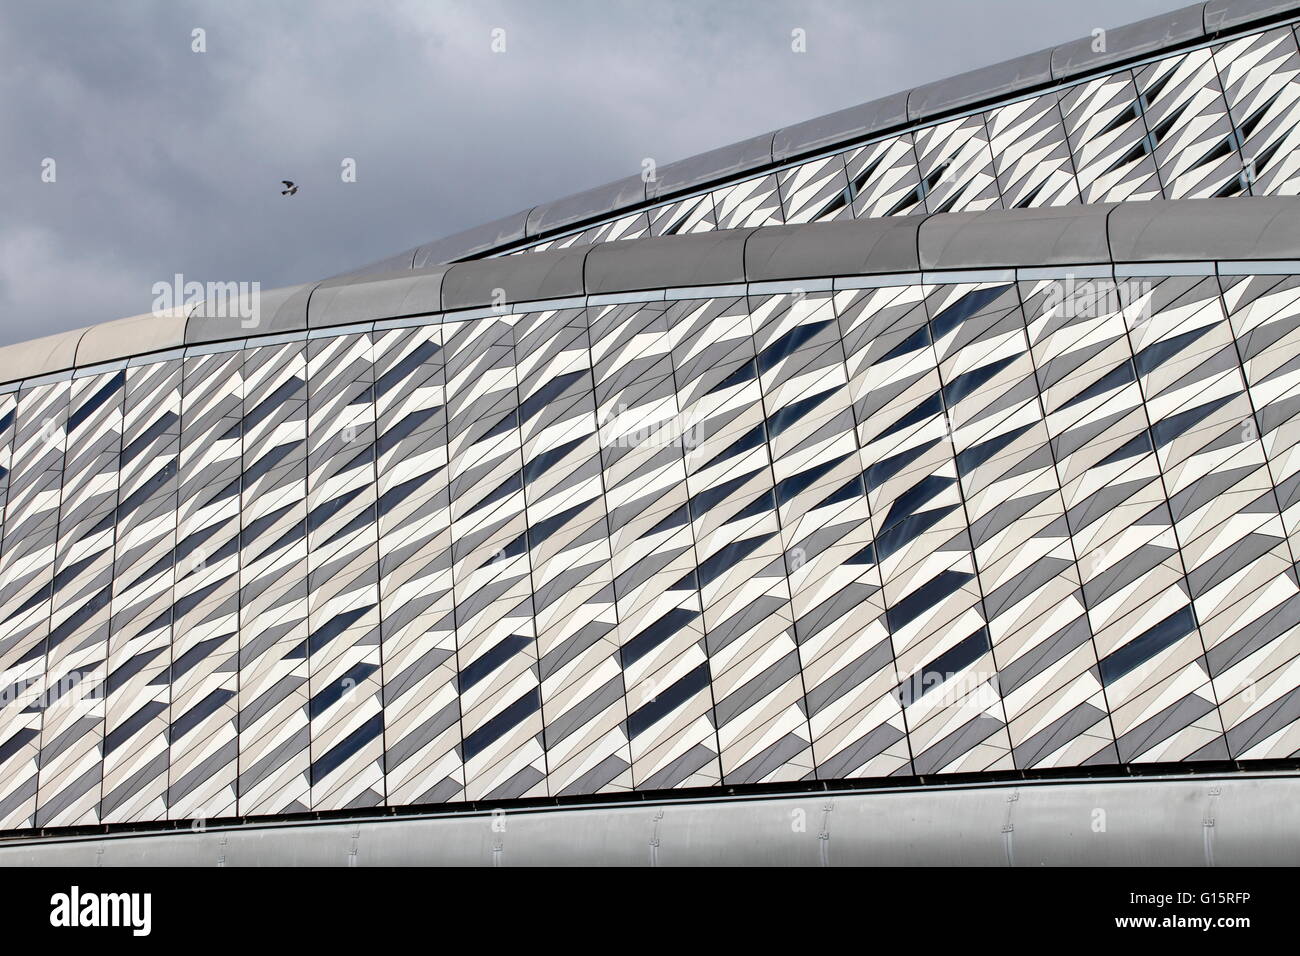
878,282
279,338
91,370
707,291
618,298
151,357
1164,269
462,315
49,379
330,331
408,322
791,285
547,305
956,276
1065,272
212,348
1264,267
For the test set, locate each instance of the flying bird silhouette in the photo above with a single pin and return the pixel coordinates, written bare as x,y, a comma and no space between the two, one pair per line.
289,188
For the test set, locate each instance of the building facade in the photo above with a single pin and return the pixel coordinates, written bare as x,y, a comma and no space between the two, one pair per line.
960,451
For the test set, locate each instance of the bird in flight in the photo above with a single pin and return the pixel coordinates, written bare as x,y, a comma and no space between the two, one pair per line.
289,188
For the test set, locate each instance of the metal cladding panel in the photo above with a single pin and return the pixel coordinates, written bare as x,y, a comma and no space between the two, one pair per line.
132,336
203,774
711,166
955,162
853,247
986,83
703,259
840,127
1260,76
384,296
272,608
1226,14
53,353
279,310
472,242
343,652
590,204
72,731
1254,228
35,429
541,275
422,707
1031,153
1149,822
815,192
1114,44
137,754
1058,235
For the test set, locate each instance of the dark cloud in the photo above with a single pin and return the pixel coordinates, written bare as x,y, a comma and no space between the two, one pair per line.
170,161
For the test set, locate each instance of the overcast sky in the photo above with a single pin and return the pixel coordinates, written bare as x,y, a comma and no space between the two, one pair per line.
168,161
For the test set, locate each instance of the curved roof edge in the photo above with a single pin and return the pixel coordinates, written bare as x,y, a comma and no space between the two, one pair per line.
1185,230
1066,62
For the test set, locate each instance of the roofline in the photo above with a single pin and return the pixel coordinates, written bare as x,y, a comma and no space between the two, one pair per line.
1111,235
1065,64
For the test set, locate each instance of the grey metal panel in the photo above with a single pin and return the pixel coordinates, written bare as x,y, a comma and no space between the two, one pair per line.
622,838
1226,14
1254,227
1054,235
840,127
1049,831
52,353
395,294
1129,41
394,263
1146,822
709,167
280,310
848,247
601,201
706,258
472,242
552,274
985,83
136,335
